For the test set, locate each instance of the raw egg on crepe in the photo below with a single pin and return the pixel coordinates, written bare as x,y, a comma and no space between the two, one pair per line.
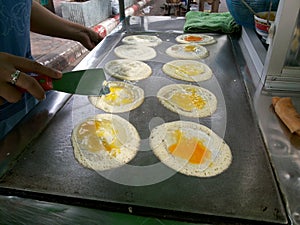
190,148
122,97
187,51
188,100
105,141
202,39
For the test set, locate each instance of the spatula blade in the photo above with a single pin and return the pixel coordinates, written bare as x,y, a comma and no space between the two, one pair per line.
82,82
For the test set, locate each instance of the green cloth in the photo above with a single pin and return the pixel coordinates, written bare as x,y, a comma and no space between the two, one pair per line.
197,22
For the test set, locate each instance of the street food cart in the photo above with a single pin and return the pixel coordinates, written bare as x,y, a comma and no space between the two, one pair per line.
41,181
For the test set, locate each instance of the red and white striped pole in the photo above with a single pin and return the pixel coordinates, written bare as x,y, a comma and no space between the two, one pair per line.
106,26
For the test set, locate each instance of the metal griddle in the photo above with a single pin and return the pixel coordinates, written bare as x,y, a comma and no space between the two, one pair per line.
246,193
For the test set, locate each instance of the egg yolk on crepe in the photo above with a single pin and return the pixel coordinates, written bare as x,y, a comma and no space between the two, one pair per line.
122,97
119,96
192,38
191,149
188,101
104,141
99,136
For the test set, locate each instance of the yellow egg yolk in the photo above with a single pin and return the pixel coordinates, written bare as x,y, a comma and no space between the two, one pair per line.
190,48
99,135
188,101
119,96
193,38
191,149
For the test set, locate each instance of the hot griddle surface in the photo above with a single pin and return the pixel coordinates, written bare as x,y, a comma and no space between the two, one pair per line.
247,191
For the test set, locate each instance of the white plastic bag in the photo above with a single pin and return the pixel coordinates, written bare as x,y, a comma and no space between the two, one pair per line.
115,7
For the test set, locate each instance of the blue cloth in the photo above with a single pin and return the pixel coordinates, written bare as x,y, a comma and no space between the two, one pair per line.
15,39
243,15
15,27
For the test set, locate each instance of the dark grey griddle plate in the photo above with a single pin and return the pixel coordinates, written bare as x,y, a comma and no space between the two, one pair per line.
246,192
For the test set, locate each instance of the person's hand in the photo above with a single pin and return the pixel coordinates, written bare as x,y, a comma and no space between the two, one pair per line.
42,21
9,67
88,38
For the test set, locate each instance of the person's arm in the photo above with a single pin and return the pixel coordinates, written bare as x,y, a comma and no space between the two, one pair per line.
45,22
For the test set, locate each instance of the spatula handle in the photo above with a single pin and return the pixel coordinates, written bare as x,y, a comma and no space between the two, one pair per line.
45,82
